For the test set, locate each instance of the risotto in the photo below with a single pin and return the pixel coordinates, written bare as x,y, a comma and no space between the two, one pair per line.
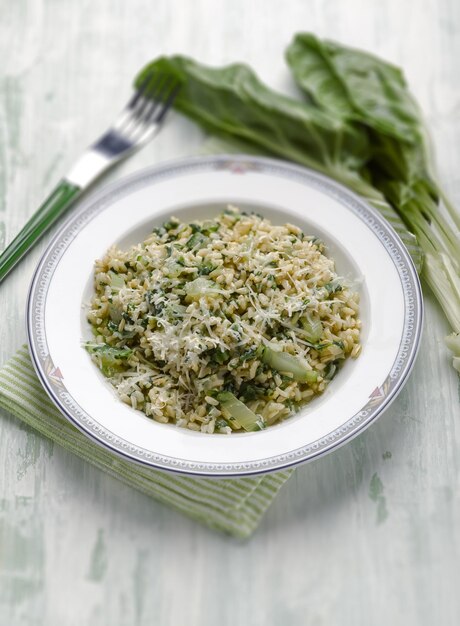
224,325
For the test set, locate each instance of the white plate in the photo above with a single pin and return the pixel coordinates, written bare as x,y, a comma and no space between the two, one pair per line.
365,249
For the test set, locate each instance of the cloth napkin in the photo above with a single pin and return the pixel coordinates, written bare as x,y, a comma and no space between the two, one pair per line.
232,505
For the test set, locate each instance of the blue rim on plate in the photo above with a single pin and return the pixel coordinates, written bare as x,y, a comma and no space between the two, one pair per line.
378,401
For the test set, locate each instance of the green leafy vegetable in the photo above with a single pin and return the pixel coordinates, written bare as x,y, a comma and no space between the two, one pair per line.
232,101
251,354
249,391
221,423
209,227
354,85
109,359
197,240
219,356
333,287
206,268
170,224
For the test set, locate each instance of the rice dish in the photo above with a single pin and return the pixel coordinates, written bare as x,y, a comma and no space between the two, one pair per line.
222,326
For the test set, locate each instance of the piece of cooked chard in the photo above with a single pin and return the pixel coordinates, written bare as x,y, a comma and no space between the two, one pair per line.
313,329
246,418
331,371
110,360
201,287
197,240
289,364
116,281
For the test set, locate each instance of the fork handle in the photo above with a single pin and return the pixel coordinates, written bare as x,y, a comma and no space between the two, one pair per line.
53,207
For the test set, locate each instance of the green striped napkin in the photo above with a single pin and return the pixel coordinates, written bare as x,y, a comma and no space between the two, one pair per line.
232,505
235,506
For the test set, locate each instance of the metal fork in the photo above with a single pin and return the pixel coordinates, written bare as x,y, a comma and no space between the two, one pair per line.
135,126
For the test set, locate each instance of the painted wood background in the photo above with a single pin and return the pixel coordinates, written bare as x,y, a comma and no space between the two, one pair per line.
368,535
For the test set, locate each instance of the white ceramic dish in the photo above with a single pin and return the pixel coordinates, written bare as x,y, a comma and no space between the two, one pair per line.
365,249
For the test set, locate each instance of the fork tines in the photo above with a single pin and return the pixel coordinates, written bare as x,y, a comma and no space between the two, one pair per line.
154,97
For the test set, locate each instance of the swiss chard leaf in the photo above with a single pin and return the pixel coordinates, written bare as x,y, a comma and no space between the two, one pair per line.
232,102
355,85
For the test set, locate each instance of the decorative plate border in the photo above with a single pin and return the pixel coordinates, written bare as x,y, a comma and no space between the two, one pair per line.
380,398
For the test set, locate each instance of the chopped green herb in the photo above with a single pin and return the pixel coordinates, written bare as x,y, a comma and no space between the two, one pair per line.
251,354
209,227
205,269
197,240
155,298
333,287
219,356
249,391
170,225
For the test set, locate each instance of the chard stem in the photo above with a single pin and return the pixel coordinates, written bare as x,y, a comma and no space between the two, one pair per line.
444,281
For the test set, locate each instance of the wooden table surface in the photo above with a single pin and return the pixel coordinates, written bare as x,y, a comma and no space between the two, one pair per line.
368,535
